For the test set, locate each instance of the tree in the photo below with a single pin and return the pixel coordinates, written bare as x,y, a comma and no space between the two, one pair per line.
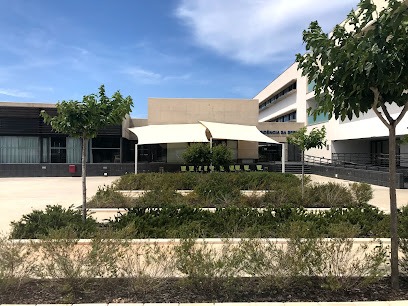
197,154
315,139
221,155
84,119
362,68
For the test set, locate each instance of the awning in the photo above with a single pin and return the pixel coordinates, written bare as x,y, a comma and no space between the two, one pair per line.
170,133
236,132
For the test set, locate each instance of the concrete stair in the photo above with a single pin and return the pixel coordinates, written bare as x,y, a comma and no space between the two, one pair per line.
295,168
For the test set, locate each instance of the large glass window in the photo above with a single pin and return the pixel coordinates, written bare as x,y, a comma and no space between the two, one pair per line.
58,149
19,149
106,149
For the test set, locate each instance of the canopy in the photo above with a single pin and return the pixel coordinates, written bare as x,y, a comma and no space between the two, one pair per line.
236,132
170,133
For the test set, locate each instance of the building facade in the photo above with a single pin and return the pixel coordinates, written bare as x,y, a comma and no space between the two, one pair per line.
29,147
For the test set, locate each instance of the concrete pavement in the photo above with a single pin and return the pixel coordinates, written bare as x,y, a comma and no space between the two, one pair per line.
19,196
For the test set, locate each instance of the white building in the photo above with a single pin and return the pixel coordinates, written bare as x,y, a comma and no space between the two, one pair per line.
361,140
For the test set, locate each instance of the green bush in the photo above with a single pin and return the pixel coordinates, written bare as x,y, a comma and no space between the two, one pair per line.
108,197
38,223
197,154
159,198
175,181
216,188
362,193
221,155
328,195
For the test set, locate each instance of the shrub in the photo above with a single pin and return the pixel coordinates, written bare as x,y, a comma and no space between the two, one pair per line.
221,155
362,193
38,223
215,188
335,261
240,180
74,264
16,262
146,266
328,195
107,196
197,154
159,198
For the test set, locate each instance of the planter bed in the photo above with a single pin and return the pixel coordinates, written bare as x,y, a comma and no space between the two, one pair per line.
173,291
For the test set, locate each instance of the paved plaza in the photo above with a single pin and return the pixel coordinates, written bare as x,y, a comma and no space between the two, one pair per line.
20,196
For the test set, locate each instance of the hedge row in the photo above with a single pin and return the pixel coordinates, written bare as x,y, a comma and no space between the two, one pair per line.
184,222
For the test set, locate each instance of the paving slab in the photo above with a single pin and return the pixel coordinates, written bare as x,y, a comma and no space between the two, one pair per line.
19,196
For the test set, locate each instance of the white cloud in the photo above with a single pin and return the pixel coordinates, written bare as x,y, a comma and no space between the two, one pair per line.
15,93
149,77
257,31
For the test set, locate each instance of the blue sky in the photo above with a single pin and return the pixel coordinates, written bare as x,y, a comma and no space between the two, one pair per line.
53,50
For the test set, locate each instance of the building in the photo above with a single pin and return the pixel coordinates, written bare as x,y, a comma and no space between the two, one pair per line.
362,140
28,147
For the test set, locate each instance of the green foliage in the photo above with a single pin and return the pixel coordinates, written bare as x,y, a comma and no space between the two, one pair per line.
362,192
221,155
328,195
185,221
216,188
108,197
38,223
315,139
190,181
197,154
84,119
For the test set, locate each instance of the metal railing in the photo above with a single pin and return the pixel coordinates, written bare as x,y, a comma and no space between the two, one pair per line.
374,159
322,161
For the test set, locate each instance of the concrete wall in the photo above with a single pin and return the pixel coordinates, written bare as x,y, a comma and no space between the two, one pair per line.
380,178
179,111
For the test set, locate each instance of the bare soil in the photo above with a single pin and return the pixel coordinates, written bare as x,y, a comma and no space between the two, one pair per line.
184,290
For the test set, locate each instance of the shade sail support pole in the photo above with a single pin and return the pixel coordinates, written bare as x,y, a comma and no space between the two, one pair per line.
283,157
136,158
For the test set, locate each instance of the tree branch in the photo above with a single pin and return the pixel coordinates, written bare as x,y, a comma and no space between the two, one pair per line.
375,106
387,114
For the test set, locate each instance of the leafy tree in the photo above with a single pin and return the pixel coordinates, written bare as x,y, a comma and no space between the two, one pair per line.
315,139
363,65
221,155
197,154
84,119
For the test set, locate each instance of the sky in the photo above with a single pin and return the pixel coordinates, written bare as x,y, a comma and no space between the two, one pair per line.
54,50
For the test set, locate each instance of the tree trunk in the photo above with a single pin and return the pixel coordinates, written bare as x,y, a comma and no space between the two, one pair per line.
84,156
303,174
393,207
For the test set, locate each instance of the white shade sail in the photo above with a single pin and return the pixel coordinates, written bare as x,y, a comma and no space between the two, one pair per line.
236,132
170,133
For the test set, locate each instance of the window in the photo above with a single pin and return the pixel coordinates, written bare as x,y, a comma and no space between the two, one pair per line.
291,117
58,149
19,149
106,149
276,96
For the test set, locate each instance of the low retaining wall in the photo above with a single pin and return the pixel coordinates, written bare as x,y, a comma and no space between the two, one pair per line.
105,169
380,178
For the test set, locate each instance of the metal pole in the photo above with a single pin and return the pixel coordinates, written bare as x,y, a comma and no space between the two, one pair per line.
136,158
283,157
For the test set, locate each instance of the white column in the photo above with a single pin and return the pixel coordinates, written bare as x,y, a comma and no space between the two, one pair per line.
283,157
135,158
